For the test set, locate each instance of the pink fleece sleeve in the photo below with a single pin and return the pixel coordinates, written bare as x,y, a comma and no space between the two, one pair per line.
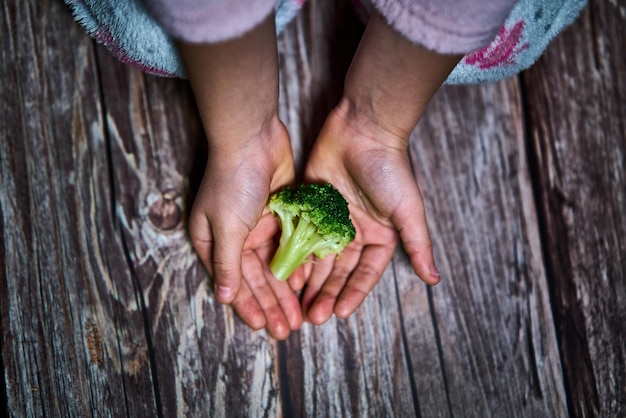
446,26
208,20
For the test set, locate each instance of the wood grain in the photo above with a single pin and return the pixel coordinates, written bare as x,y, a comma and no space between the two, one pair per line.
354,367
205,359
106,310
69,346
490,315
315,51
345,368
576,100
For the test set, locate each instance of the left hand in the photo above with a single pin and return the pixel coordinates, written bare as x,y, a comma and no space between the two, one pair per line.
373,173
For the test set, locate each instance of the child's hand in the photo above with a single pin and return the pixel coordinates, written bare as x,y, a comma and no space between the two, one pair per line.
235,84
362,150
233,232
370,167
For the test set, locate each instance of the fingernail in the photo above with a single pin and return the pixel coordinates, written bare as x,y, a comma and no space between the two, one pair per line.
434,273
224,293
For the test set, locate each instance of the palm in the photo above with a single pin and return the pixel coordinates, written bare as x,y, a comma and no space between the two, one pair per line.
233,233
385,204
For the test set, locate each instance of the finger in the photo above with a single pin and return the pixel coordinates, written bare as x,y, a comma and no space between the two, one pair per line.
226,262
410,220
373,262
201,239
287,300
275,321
248,309
283,291
320,271
266,227
298,277
323,304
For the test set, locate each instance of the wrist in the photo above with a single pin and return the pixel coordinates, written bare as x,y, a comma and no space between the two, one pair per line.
360,117
263,133
235,85
391,80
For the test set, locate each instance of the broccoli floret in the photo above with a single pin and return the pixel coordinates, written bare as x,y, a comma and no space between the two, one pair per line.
314,219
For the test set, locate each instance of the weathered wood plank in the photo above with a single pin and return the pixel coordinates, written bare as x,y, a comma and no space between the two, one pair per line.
315,51
207,362
576,102
491,312
69,346
351,368
345,368
93,249
422,347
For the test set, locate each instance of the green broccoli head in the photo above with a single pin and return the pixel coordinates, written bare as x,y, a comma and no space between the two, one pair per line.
314,219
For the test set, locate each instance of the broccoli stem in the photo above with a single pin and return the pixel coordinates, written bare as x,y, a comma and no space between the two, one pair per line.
298,247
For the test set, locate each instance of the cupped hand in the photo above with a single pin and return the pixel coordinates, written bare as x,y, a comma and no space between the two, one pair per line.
233,233
370,167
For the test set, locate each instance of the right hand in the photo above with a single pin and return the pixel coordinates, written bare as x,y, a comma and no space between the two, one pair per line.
235,84
233,233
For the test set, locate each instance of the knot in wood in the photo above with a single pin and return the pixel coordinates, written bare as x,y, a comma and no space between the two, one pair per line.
93,340
165,214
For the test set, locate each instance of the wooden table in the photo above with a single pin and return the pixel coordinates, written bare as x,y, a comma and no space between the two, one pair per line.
106,310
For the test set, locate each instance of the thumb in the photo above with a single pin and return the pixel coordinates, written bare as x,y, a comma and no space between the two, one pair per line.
226,262
410,221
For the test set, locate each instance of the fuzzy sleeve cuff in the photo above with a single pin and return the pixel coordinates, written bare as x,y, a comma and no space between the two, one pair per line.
205,21
446,26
